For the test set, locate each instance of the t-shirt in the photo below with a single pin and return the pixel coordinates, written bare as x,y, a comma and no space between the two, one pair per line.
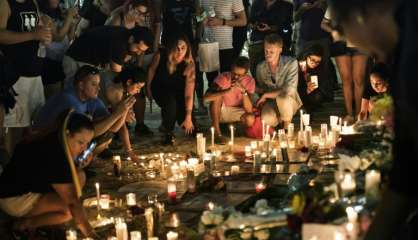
59,103
23,56
256,131
101,45
35,166
234,98
224,10
310,28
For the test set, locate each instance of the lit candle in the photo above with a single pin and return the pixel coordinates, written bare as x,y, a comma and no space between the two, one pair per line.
348,183
212,131
160,208
71,234
254,145
98,196
265,168
352,226
351,214
339,236
131,199
259,187
231,128
308,136
257,158
267,130
372,182
227,173
174,220
333,121
135,235
324,132
208,161
211,206
172,191
200,144
172,235
149,218
234,170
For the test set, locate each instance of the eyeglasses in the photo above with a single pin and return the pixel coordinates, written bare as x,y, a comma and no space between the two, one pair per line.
317,62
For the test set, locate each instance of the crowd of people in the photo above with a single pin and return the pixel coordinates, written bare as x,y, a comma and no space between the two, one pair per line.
105,58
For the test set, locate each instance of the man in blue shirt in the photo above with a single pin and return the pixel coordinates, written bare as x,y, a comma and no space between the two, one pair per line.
83,99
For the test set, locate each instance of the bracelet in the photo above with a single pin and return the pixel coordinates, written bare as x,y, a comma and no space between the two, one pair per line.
223,22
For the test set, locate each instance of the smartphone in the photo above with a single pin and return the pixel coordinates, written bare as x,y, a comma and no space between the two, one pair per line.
314,80
83,157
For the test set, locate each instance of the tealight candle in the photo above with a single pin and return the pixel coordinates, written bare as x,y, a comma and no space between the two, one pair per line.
227,173
172,191
235,170
71,234
259,187
131,199
135,235
254,145
211,206
172,235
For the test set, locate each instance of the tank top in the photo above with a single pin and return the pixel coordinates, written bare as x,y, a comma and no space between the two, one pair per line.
24,56
163,79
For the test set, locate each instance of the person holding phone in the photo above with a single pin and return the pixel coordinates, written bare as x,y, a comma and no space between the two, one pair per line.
37,185
314,86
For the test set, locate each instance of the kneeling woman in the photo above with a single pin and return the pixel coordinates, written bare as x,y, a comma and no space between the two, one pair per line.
314,85
171,82
127,83
38,185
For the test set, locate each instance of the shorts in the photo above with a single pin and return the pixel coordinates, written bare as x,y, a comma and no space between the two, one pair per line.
340,49
19,206
29,100
231,114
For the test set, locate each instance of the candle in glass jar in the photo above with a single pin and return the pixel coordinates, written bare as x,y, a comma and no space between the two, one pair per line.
372,182
172,235
136,235
234,170
259,187
104,201
131,199
254,145
121,231
265,168
306,119
333,121
172,191
248,151
149,218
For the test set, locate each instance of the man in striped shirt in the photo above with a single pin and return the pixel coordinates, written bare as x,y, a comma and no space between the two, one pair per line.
229,14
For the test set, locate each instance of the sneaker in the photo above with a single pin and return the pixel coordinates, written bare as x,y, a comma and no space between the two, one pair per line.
143,130
169,139
221,140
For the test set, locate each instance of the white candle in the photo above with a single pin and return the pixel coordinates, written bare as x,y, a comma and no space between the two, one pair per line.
333,121
172,235
131,199
306,119
248,151
351,214
234,170
339,236
71,234
348,183
231,128
172,191
121,231
212,131
98,195
265,168
105,201
290,130
372,182
254,145
149,218
136,235
301,120
267,130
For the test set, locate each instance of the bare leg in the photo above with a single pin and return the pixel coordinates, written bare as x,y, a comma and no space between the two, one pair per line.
49,210
215,114
359,72
345,69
